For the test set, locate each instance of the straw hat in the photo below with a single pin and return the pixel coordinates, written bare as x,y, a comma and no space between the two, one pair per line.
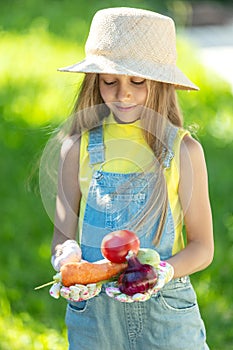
134,42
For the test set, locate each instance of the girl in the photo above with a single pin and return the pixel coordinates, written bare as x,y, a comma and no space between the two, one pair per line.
128,163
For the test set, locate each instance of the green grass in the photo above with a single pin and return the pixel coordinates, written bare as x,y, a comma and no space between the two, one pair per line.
23,331
35,98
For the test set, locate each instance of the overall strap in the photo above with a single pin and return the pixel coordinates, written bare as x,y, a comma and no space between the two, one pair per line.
170,140
96,145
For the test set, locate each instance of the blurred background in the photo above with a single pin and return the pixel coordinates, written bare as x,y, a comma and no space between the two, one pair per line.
37,37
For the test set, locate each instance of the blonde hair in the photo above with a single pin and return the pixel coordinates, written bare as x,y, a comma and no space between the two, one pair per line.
161,98
88,96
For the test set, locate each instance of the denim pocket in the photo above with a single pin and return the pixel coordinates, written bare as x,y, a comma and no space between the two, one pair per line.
123,209
79,306
180,299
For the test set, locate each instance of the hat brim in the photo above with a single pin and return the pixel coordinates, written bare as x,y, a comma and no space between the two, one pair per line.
165,73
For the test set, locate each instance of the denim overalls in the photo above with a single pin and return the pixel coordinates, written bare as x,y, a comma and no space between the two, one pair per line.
171,318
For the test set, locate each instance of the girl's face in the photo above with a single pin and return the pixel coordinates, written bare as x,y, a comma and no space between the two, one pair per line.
124,95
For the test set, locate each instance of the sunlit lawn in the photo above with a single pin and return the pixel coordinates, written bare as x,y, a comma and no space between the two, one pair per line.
34,98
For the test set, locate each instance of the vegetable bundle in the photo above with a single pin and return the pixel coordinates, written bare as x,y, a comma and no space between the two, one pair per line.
133,270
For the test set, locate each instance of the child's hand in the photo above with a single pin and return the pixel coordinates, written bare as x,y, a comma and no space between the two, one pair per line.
69,251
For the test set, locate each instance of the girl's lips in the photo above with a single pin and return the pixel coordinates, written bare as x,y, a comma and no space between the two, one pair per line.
125,108
126,113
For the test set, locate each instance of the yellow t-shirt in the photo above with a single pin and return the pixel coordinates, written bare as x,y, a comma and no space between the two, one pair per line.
126,151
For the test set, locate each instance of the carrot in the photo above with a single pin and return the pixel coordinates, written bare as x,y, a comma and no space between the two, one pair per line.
85,272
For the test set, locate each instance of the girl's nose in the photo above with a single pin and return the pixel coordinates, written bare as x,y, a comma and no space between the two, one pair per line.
123,93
